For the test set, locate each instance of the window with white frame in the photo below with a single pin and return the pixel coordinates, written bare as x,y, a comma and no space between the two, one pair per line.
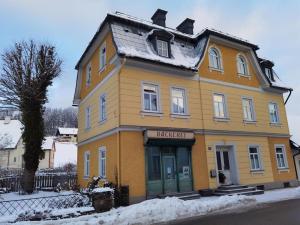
268,73
280,156
88,117
87,164
214,59
162,48
102,56
248,109
273,111
150,97
242,65
178,100
254,156
102,107
102,162
88,74
219,106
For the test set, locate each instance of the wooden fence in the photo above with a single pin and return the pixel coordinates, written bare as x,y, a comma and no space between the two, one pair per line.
40,182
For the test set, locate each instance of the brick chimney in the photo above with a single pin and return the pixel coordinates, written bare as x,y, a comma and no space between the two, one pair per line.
159,17
187,26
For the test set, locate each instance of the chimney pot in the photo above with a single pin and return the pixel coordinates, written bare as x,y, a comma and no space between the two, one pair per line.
159,17
187,26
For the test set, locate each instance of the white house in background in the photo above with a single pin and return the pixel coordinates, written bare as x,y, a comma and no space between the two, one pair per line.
11,144
48,148
64,153
66,134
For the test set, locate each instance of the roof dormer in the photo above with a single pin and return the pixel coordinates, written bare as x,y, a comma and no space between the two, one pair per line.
161,42
267,67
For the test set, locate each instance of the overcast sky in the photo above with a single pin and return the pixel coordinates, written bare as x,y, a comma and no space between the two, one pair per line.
70,24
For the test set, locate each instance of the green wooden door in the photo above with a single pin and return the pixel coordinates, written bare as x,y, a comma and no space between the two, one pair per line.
170,176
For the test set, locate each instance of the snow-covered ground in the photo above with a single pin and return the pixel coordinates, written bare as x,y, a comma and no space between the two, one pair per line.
161,210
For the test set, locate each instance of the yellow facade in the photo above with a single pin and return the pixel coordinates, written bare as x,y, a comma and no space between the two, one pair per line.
122,132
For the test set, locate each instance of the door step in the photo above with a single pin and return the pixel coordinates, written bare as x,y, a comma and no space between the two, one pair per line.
182,195
237,189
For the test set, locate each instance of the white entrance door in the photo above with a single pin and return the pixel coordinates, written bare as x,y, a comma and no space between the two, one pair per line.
223,164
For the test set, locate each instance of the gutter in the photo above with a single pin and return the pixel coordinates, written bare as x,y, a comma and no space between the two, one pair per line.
290,93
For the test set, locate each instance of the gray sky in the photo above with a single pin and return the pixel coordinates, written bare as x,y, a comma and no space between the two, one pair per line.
70,24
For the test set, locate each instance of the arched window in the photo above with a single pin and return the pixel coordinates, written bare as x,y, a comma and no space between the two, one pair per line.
214,58
242,65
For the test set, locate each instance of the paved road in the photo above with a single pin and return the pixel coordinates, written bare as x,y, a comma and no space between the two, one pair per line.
279,213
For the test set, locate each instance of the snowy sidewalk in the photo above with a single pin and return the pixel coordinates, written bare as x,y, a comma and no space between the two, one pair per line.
162,210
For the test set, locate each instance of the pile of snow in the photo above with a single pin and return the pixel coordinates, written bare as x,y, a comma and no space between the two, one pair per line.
102,189
158,210
65,152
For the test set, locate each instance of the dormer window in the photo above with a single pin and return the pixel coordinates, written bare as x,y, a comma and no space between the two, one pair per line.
268,73
162,48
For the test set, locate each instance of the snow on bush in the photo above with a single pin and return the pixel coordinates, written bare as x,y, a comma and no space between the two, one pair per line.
103,189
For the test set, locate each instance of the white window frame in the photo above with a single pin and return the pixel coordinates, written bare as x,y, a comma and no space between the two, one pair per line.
102,108
87,164
258,156
282,146
88,74
224,106
238,63
277,112
184,98
158,107
219,59
252,110
102,162
102,57
88,112
162,48
268,73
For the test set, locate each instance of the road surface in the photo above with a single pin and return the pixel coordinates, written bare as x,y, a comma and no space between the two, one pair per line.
278,213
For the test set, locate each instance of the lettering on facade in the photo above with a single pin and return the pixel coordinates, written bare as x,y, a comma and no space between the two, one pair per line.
169,134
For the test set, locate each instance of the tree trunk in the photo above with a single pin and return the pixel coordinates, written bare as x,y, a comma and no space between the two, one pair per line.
28,181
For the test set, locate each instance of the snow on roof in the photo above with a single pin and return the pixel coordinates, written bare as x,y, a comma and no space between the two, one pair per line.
65,130
48,143
10,133
277,82
136,44
65,152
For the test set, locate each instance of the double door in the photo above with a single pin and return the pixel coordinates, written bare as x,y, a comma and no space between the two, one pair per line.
172,169
223,163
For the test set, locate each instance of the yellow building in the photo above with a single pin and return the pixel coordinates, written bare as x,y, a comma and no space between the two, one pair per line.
164,110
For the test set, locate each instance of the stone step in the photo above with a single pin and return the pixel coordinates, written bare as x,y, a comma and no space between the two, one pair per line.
178,194
254,192
231,187
190,197
229,191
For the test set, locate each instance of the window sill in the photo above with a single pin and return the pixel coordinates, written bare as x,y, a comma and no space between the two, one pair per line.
275,124
86,177
149,113
221,119
249,121
244,75
102,121
283,170
102,69
215,69
181,116
87,129
253,172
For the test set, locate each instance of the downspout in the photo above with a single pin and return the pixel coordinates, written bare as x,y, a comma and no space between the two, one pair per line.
119,122
290,93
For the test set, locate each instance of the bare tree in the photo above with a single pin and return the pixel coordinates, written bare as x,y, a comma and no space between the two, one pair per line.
28,69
